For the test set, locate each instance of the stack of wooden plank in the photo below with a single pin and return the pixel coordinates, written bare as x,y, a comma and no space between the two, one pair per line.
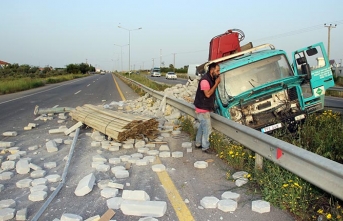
116,125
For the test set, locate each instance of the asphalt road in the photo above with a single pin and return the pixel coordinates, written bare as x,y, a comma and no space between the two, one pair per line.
16,111
168,81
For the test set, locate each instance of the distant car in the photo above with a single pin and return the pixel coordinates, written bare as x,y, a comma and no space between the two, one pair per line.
155,72
171,75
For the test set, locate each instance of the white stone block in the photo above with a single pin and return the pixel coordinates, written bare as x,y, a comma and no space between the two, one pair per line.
13,157
6,144
72,128
60,121
99,158
143,150
241,181
53,178
34,166
153,152
102,167
189,149
209,202
239,174
8,165
24,183
125,158
39,181
142,162
38,196
6,175
38,173
133,160
164,154
22,166
165,134
34,147
116,144
135,195
115,185
109,192
29,128
39,188
117,168
120,174
186,144
114,160
143,208
58,140
55,131
228,195
150,145
93,218
85,185
10,134
137,155
176,132
95,164
127,146
32,125
95,144
164,147
51,146
7,213
50,165
21,214
7,203
130,141
177,154
113,148
227,205
68,141
139,144
201,164
260,206
158,168
114,203
21,153
71,217
103,184
151,159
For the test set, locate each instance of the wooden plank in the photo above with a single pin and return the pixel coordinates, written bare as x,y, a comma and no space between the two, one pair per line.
107,215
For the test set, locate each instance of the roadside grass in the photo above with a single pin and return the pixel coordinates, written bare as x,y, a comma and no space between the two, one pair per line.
277,185
15,85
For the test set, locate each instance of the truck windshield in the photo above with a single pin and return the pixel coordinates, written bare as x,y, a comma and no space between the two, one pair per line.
156,70
241,79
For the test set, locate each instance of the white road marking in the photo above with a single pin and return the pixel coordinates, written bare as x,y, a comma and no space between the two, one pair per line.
55,106
78,92
88,85
39,92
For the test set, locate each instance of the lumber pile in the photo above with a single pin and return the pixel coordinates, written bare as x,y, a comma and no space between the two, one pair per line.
116,125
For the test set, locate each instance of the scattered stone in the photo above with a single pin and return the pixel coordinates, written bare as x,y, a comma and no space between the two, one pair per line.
32,125
231,195
73,128
117,168
109,192
239,174
116,185
113,148
186,144
7,203
115,144
54,131
139,144
165,134
95,164
127,146
150,145
10,134
29,128
50,165
164,154
38,173
7,213
125,158
60,121
102,167
85,185
71,217
201,164
38,196
164,147
99,158
22,166
186,201
135,195
24,183
35,147
158,168
142,162
133,160
13,157
176,132
68,141
21,153
120,174
114,203
38,188
153,152
103,184
151,159
143,150
8,165
137,155
95,144
189,150
227,205
73,135
58,140
21,214
241,181
177,154
53,178
6,175
114,160
39,181
6,144
260,206
34,166
129,141
51,146
209,202
143,208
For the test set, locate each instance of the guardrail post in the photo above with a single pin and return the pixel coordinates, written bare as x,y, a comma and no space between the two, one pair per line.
258,161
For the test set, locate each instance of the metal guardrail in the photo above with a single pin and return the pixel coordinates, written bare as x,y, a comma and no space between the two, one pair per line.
335,89
320,171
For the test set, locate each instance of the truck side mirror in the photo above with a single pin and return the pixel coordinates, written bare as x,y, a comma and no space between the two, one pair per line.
306,70
312,51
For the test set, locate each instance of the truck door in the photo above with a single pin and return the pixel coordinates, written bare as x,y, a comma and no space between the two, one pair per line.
313,62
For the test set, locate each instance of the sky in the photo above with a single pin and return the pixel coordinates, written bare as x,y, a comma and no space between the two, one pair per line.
56,33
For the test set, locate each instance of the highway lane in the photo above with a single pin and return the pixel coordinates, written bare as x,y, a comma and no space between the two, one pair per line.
166,81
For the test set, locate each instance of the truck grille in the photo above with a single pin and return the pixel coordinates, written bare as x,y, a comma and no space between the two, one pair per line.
292,94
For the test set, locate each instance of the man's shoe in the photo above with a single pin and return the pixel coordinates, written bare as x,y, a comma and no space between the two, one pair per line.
209,151
198,147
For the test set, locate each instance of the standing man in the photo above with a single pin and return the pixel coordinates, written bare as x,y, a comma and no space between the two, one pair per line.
204,104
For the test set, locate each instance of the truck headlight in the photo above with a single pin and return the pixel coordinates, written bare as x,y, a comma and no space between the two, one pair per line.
236,114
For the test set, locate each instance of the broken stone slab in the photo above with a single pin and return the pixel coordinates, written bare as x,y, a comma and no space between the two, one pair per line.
114,203
130,141
32,125
125,158
209,202
27,128
150,145
117,168
137,155
127,146
71,217
153,152
85,185
73,128
135,195
114,160
7,213
189,150
34,166
10,134
8,165
120,174
227,205
151,159
186,144
6,175
50,165
109,192
5,144
260,206
24,183
115,144
143,208
39,181
99,158
115,185
239,174
113,148
164,154
103,184
231,195
142,162
58,140
21,153
93,218
13,157
51,146
21,214
133,160
95,144
56,131
35,147
38,173
95,164
102,167
201,164
140,144
7,203
68,141
38,196
241,181
164,147
177,154
22,167
158,168
60,121
53,178
142,150
39,188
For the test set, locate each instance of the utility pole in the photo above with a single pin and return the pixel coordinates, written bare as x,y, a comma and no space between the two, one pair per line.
160,58
86,61
153,63
174,62
329,30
